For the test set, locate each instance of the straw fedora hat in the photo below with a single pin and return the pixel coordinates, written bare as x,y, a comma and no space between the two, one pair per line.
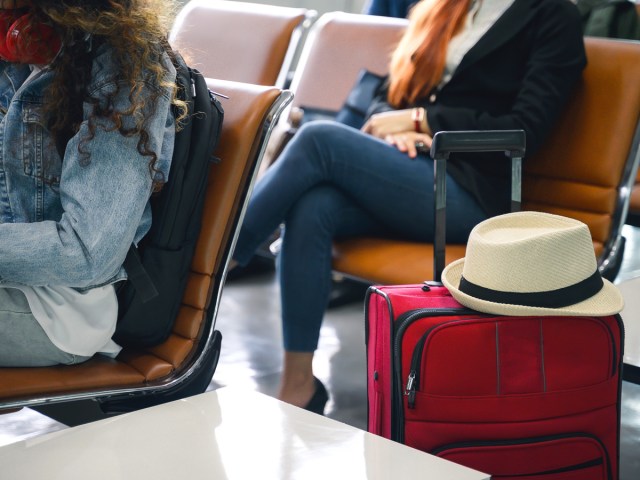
531,263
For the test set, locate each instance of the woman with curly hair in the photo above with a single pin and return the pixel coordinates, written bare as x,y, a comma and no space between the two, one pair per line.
86,135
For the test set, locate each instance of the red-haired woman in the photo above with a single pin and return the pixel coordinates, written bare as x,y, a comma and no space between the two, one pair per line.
461,65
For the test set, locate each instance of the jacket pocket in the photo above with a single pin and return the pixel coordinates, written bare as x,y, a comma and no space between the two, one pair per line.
39,155
574,456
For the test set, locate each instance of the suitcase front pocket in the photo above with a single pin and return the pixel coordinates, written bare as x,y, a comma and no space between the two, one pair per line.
564,457
510,357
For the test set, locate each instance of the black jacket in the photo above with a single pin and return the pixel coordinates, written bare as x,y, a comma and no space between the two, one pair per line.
518,76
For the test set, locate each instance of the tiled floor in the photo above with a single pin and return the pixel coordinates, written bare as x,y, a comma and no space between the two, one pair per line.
250,323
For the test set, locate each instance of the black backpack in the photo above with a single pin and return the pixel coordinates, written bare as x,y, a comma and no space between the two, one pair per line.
158,269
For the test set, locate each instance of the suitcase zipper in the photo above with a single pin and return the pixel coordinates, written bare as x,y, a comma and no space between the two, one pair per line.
413,379
401,323
400,326
525,441
614,367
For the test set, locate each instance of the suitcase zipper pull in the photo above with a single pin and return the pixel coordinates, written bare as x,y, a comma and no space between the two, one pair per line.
410,390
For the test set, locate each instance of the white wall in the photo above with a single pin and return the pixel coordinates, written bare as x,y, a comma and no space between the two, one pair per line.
321,6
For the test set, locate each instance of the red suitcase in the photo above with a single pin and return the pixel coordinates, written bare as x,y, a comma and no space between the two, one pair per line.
515,397
518,397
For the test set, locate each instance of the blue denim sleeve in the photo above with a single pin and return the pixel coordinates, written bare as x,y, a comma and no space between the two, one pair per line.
103,204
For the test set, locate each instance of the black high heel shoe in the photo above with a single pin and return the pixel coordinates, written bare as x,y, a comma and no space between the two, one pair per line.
319,399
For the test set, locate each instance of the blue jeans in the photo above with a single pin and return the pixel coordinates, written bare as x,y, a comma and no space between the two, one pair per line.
23,342
333,182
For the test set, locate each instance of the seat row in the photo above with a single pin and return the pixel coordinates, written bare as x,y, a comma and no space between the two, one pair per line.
250,53
586,170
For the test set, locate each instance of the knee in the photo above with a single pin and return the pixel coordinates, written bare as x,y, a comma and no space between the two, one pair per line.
310,144
318,132
313,211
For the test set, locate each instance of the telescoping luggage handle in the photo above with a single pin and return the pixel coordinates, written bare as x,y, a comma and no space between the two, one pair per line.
512,142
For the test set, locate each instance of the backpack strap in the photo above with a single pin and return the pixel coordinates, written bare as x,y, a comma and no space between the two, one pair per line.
136,273
138,276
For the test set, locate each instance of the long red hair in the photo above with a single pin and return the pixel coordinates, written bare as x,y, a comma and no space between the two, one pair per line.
418,61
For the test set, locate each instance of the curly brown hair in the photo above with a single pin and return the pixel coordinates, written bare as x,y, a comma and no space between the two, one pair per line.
136,31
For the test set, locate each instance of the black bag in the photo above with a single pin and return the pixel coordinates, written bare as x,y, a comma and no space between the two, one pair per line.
354,109
352,112
158,269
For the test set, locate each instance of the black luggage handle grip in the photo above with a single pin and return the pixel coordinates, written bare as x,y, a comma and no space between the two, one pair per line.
512,142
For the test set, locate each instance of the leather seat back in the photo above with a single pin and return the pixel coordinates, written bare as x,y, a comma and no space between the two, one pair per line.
583,166
240,41
338,46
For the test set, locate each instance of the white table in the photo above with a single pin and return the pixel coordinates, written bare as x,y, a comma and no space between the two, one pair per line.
230,433
631,319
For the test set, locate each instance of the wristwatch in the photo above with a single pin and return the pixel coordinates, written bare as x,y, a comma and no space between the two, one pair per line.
418,116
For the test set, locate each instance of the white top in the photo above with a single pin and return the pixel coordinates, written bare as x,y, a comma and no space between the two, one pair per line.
80,323
482,15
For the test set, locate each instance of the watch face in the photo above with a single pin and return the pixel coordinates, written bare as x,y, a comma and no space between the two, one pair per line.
417,115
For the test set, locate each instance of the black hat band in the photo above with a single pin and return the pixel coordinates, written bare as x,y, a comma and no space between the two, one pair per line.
562,297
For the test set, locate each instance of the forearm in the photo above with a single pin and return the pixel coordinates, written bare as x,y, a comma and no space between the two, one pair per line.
87,244
52,253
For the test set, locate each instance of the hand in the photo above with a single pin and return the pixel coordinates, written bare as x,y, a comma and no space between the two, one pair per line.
408,141
387,123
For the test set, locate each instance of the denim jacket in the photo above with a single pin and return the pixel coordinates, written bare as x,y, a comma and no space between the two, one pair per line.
72,224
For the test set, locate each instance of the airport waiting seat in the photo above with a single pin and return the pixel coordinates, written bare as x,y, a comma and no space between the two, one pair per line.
185,362
240,41
338,46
